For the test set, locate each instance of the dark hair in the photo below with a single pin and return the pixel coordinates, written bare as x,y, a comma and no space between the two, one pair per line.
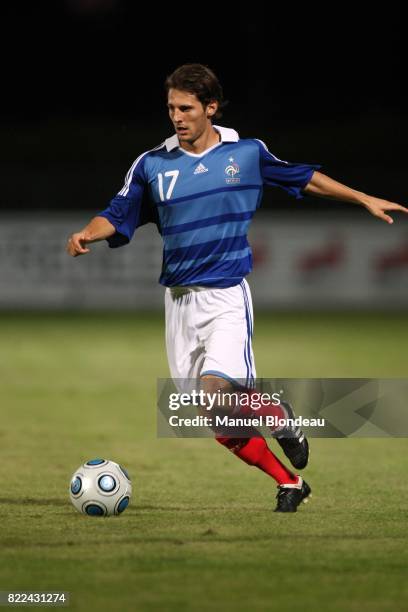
199,80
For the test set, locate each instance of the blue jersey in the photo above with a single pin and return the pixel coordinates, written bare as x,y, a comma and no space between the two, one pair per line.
202,205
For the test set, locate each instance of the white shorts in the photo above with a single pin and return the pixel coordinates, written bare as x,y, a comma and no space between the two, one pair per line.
209,331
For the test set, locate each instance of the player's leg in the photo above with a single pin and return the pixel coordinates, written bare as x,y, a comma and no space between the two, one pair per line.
291,439
186,318
185,351
251,449
229,353
229,357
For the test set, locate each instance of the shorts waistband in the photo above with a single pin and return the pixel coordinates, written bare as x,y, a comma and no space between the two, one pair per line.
182,290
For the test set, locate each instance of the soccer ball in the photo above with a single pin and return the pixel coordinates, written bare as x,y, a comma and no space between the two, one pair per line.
100,488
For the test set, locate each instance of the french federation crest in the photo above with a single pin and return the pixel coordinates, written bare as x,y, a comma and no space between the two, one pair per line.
231,171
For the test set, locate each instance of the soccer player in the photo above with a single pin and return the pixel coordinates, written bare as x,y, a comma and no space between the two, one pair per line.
202,187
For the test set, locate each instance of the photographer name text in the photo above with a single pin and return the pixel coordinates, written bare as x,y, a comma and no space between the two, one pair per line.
228,421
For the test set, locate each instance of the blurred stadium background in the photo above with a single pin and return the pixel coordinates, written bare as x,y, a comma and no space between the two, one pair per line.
82,339
85,98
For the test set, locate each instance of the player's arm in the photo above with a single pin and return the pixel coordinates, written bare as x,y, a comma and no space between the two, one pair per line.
99,228
325,187
118,222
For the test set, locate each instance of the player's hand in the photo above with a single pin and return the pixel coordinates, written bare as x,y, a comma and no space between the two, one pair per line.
76,244
379,208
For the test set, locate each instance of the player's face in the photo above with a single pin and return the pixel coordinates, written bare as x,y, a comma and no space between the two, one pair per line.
189,117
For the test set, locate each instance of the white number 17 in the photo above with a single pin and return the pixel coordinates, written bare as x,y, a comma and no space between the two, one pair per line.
174,175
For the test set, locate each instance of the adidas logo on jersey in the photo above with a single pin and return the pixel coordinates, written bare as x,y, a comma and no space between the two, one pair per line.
200,169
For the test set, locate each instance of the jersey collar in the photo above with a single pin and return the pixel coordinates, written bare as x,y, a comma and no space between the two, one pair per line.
227,135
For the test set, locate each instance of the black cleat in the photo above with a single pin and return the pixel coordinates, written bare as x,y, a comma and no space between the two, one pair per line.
293,442
290,496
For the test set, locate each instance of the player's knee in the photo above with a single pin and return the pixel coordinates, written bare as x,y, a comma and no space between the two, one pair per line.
217,393
212,384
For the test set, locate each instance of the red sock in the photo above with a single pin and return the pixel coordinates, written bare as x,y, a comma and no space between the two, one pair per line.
255,451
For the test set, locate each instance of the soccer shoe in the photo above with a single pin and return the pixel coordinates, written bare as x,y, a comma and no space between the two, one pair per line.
290,496
293,442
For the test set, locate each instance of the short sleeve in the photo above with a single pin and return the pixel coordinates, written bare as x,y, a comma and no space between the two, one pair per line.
293,177
130,208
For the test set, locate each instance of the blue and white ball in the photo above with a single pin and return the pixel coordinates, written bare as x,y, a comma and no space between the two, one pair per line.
100,488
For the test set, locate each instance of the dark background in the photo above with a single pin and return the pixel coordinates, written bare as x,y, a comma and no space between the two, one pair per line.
83,91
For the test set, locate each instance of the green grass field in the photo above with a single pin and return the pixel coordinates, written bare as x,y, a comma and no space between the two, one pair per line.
200,533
